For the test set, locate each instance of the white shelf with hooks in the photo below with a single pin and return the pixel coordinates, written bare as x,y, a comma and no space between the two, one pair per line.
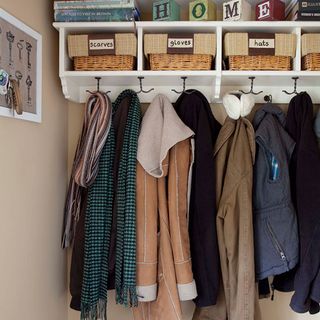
212,83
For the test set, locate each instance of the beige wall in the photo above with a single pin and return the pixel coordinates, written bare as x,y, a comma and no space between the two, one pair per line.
33,172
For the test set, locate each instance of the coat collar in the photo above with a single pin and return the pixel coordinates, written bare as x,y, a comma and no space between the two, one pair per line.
161,129
227,131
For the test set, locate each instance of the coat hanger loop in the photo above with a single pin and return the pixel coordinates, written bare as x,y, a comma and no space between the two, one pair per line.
183,87
251,88
295,79
141,88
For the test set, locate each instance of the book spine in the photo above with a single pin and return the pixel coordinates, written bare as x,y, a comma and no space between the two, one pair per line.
92,4
95,15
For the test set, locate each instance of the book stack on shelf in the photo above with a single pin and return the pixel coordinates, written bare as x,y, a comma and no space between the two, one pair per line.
95,10
303,10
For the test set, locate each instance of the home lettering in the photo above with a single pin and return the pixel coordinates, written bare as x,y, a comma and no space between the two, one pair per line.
264,10
231,10
162,10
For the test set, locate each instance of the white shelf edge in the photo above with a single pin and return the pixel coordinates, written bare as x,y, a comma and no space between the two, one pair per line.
185,24
137,73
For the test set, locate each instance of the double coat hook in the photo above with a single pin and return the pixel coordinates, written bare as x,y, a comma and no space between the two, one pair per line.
251,88
183,87
141,88
295,79
98,86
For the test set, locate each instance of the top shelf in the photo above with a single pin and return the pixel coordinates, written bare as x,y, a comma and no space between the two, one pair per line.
188,24
213,83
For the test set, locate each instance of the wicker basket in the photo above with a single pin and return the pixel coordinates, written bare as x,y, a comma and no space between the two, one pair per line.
104,63
163,61
275,63
311,62
201,56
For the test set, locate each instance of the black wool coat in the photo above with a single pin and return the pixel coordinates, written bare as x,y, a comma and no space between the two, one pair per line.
305,186
194,110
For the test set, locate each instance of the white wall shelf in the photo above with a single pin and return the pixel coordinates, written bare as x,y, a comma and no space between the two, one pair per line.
213,83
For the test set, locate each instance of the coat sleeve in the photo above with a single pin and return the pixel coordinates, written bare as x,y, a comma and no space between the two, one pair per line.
179,168
147,225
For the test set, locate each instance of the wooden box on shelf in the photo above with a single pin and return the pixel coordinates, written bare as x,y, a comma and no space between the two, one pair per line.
102,52
310,48
273,10
202,10
259,51
237,10
188,51
165,10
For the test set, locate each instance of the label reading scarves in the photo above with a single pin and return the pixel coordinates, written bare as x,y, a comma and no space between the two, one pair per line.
261,44
180,43
101,44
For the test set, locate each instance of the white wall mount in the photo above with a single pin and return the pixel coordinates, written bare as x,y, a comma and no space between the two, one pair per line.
214,83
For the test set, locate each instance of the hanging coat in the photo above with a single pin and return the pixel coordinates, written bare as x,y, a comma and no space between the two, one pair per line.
164,271
275,221
194,110
234,156
305,180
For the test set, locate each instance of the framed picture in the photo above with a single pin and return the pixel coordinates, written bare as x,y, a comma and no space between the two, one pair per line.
21,58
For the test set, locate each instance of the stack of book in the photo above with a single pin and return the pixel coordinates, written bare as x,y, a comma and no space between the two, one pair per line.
303,10
95,10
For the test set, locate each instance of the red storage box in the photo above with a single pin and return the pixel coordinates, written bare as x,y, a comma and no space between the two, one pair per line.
272,10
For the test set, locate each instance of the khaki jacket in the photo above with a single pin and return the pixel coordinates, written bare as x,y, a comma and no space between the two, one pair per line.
165,156
234,157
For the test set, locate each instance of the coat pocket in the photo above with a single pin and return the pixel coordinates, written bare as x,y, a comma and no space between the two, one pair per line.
276,241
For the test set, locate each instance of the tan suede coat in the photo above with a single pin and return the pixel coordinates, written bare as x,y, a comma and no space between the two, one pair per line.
165,156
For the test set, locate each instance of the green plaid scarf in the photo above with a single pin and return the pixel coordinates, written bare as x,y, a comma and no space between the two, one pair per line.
98,221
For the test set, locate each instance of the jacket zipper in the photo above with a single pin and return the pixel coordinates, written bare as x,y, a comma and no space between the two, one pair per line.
277,244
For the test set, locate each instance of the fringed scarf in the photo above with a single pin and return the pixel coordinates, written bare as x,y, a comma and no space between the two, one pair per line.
95,129
99,215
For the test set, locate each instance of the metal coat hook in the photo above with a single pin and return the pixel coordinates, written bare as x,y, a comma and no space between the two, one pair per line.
141,89
251,89
294,87
183,87
98,86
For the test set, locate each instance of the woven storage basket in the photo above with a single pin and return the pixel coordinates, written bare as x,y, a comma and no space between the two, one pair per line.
236,50
164,61
310,47
204,48
275,63
104,63
311,62
123,56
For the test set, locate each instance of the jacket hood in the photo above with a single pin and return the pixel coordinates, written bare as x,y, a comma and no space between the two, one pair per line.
161,129
238,107
269,109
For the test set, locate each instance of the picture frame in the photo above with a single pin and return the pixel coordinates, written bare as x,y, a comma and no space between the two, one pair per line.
21,58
